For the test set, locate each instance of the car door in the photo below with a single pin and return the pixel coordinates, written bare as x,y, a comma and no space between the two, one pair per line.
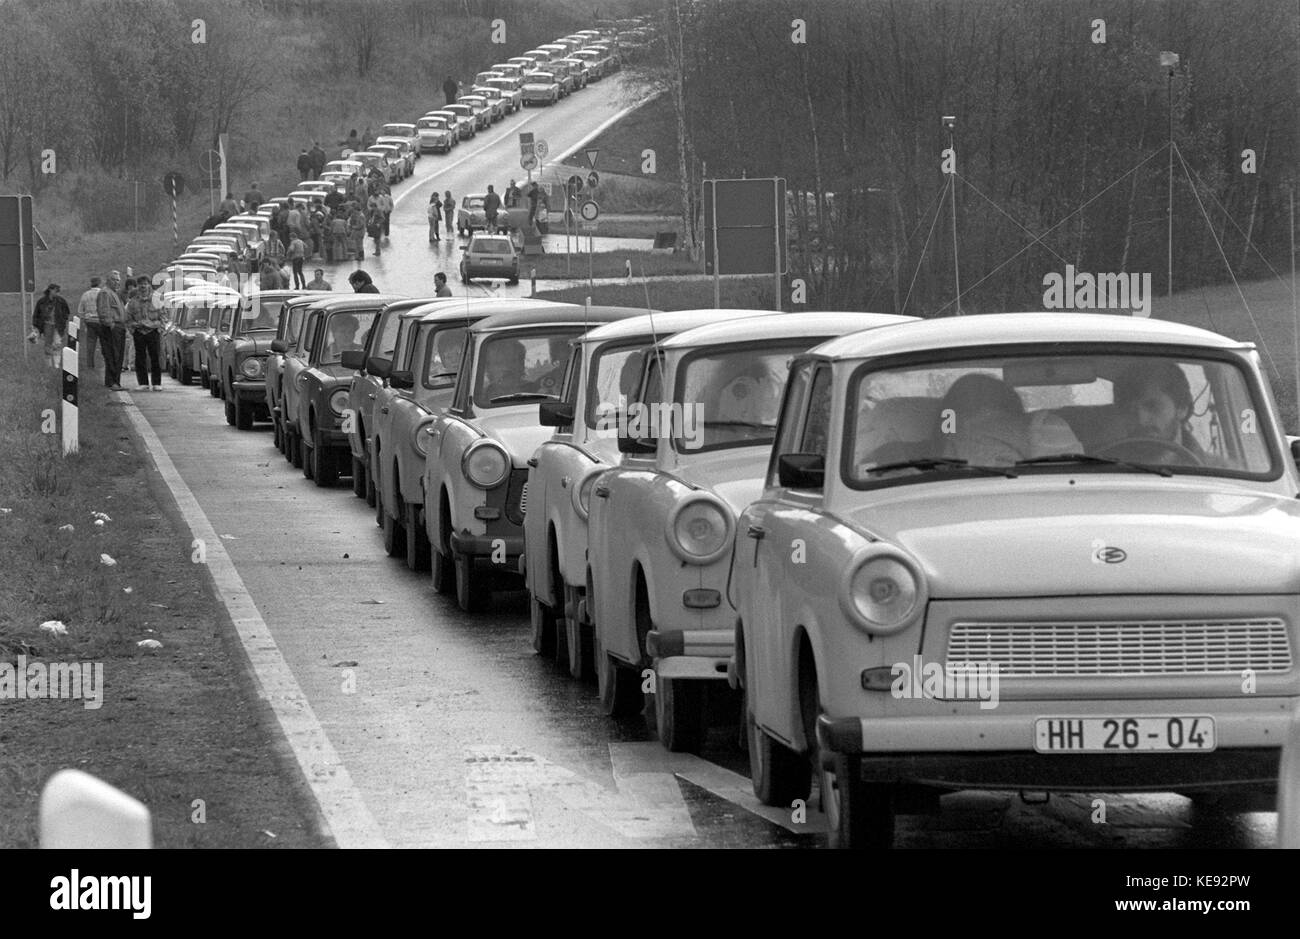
386,447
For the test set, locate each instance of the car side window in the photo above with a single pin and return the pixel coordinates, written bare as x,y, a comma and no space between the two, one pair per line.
816,429
402,347
790,425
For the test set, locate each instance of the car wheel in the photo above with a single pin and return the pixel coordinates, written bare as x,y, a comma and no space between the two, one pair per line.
577,637
444,569
308,457
187,374
372,494
277,438
358,478
417,541
543,621
230,412
394,536
679,710
860,815
214,389
296,455
779,774
617,685
243,415
325,466
471,595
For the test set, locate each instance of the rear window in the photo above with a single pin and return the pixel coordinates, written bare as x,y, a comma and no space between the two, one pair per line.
490,246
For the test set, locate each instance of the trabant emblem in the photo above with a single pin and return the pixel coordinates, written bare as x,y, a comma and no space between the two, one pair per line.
1109,554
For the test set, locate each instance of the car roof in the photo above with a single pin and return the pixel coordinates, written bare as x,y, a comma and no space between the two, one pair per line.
398,124
1032,327
667,323
554,314
759,328
283,294
357,301
481,236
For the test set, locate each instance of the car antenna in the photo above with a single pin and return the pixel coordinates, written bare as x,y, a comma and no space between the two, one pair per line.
645,284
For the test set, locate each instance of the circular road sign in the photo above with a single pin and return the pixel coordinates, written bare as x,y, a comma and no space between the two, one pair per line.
590,211
575,184
528,161
592,179
541,149
173,184
210,162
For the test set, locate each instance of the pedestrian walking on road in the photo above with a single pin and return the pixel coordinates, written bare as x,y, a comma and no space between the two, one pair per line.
297,254
513,195
274,249
451,88
491,206
112,324
337,246
147,320
320,283
50,319
88,313
385,206
353,142
304,164
356,233
448,210
367,139
440,285
253,198
375,228
317,159
229,206
361,282
271,277
435,217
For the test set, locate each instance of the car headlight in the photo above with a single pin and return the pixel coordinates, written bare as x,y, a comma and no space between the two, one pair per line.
339,401
699,529
485,464
252,367
882,590
420,437
582,492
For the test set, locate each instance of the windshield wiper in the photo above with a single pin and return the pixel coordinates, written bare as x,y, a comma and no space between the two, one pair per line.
1100,460
935,462
747,424
521,396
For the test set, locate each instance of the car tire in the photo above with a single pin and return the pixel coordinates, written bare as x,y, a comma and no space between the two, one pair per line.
325,464
296,456
779,774
230,412
277,438
577,638
358,478
372,494
243,415
308,457
394,536
214,387
471,594
860,815
417,542
543,621
442,565
187,375
617,685
680,715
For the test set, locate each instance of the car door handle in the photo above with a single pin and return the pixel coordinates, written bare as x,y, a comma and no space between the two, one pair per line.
602,491
757,531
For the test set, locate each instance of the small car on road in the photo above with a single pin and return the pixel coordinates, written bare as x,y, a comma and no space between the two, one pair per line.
540,88
243,365
489,257
438,133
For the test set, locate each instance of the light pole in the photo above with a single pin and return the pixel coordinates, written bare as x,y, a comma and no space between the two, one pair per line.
1169,60
950,122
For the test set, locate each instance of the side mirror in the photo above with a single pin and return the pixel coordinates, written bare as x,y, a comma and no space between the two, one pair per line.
354,359
801,470
379,367
279,345
401,380
554,414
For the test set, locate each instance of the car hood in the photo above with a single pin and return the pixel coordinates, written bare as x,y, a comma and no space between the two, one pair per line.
333,374
1056,538
255,344
515,428
736,475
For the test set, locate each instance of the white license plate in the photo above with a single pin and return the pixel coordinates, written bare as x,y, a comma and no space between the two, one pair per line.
1124,734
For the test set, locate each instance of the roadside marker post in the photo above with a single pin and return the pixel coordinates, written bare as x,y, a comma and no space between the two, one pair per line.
71,376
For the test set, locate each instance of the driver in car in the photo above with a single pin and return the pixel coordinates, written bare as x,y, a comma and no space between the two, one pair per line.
1155,401
503,368
343,335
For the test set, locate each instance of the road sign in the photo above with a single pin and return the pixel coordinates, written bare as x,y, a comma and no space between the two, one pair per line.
174,183
592,153
526,145
528,161
744,226
210,162
575,184
593,179
590,211
17,245
587,226
541,149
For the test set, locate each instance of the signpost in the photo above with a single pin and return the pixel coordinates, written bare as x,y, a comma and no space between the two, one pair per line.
745,230
541,149
528,162
214,171
528,155
592,153
17,255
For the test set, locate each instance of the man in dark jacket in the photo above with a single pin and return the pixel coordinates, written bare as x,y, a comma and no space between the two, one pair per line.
491,206
304,165
50,318
451,88
317,159
253,198
361,282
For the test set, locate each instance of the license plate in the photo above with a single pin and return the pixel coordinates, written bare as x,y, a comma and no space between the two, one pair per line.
1123,734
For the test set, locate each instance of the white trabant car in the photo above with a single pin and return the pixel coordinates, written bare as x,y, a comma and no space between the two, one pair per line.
476,470
1019,551
603,376
540,88
414,385
695,444
438,131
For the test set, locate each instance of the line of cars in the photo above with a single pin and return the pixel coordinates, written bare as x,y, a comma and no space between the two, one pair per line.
1017,551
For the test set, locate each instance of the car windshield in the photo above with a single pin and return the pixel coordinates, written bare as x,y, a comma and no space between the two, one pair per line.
193,316
1135,412
446,348
731,397
612,382
259,315
519,367
396,130
472,202
490,246
433,123
345,332
543,77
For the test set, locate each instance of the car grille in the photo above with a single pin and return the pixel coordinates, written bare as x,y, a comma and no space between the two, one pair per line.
1146,647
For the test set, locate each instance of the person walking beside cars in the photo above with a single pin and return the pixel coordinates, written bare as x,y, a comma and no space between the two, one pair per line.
296,254
534,199
229,206
274,249
353,142
361,282
375,228
448,210
451,88
317,159
112,325
435,217
513,195
367,139
253,198
50,318
337,246
356,233
440,285
385,206
491,206
304,164
88,313
146,320
320,283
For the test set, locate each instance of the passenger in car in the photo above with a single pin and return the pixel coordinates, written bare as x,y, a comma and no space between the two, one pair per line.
1155,401
983,421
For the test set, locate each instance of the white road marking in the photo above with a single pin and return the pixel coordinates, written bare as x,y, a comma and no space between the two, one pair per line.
347,818
496,784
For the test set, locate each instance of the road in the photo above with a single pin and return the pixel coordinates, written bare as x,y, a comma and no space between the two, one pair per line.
443,729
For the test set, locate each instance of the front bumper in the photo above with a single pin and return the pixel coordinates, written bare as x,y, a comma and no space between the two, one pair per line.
691,653
993,749
254,391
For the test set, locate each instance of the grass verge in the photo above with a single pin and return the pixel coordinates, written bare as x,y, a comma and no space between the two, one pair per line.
180,728
609,264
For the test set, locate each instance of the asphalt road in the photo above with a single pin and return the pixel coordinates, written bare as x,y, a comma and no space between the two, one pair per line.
451,731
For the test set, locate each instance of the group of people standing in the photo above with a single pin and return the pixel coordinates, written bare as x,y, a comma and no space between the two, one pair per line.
109,311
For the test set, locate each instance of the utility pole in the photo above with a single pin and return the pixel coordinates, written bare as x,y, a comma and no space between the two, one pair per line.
950,122
1170,61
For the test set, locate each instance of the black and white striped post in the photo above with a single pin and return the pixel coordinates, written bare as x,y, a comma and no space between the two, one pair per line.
71,372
